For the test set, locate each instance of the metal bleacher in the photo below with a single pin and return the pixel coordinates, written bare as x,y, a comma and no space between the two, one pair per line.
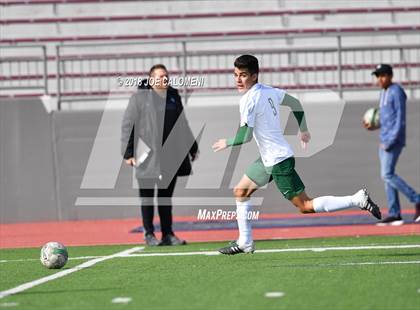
86,19
299,48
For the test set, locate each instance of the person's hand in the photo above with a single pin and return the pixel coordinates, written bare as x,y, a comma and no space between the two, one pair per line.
131,161
367,125
384,147
304,137
195,156
219,145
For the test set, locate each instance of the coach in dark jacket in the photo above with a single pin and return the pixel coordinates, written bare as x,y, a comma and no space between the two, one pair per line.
157,140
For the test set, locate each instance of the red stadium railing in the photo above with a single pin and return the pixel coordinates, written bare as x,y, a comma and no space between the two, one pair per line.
87,19
219,34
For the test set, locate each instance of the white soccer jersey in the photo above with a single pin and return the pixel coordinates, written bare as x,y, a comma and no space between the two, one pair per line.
259,108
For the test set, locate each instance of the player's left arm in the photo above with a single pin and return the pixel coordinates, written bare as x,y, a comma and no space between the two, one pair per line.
299,114
243,135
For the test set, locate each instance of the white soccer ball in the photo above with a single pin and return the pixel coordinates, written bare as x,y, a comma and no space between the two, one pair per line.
54,255
371,117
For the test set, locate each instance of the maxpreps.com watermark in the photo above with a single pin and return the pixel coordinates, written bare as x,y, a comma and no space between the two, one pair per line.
178,81
219,214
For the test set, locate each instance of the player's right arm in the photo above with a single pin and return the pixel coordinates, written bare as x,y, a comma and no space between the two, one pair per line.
244,135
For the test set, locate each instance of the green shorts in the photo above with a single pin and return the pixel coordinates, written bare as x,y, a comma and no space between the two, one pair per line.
284,175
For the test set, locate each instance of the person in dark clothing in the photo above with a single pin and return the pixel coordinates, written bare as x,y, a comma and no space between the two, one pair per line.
157,140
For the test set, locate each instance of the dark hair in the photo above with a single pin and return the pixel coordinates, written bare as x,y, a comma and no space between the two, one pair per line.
248,62
158,66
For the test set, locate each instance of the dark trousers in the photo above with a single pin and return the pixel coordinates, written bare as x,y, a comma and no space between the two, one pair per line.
164,198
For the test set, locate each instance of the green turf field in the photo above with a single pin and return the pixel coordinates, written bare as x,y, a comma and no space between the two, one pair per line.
385,274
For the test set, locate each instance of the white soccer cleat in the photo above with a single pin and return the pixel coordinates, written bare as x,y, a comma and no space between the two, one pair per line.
234,249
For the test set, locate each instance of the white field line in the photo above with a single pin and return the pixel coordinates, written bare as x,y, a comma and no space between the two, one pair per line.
121,300
66,272
317,249
320,249
36,259
344,248
381,263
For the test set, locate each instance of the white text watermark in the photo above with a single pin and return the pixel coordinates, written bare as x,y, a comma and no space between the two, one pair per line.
216,215
178,81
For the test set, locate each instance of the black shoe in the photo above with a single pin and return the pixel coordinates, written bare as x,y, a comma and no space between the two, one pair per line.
151,240
172,240
367,204
234,249
417,214
391,220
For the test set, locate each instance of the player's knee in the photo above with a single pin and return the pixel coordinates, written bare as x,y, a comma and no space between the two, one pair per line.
306,210
239,192
305,207
309,206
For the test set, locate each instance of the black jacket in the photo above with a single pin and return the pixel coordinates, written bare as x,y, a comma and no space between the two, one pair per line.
150,118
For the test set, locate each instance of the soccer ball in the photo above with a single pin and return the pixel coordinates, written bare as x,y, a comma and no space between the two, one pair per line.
371,117
54,255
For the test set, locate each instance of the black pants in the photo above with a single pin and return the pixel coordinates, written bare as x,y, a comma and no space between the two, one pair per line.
164,197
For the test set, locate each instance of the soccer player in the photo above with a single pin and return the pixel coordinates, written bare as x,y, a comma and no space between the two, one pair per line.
259,110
